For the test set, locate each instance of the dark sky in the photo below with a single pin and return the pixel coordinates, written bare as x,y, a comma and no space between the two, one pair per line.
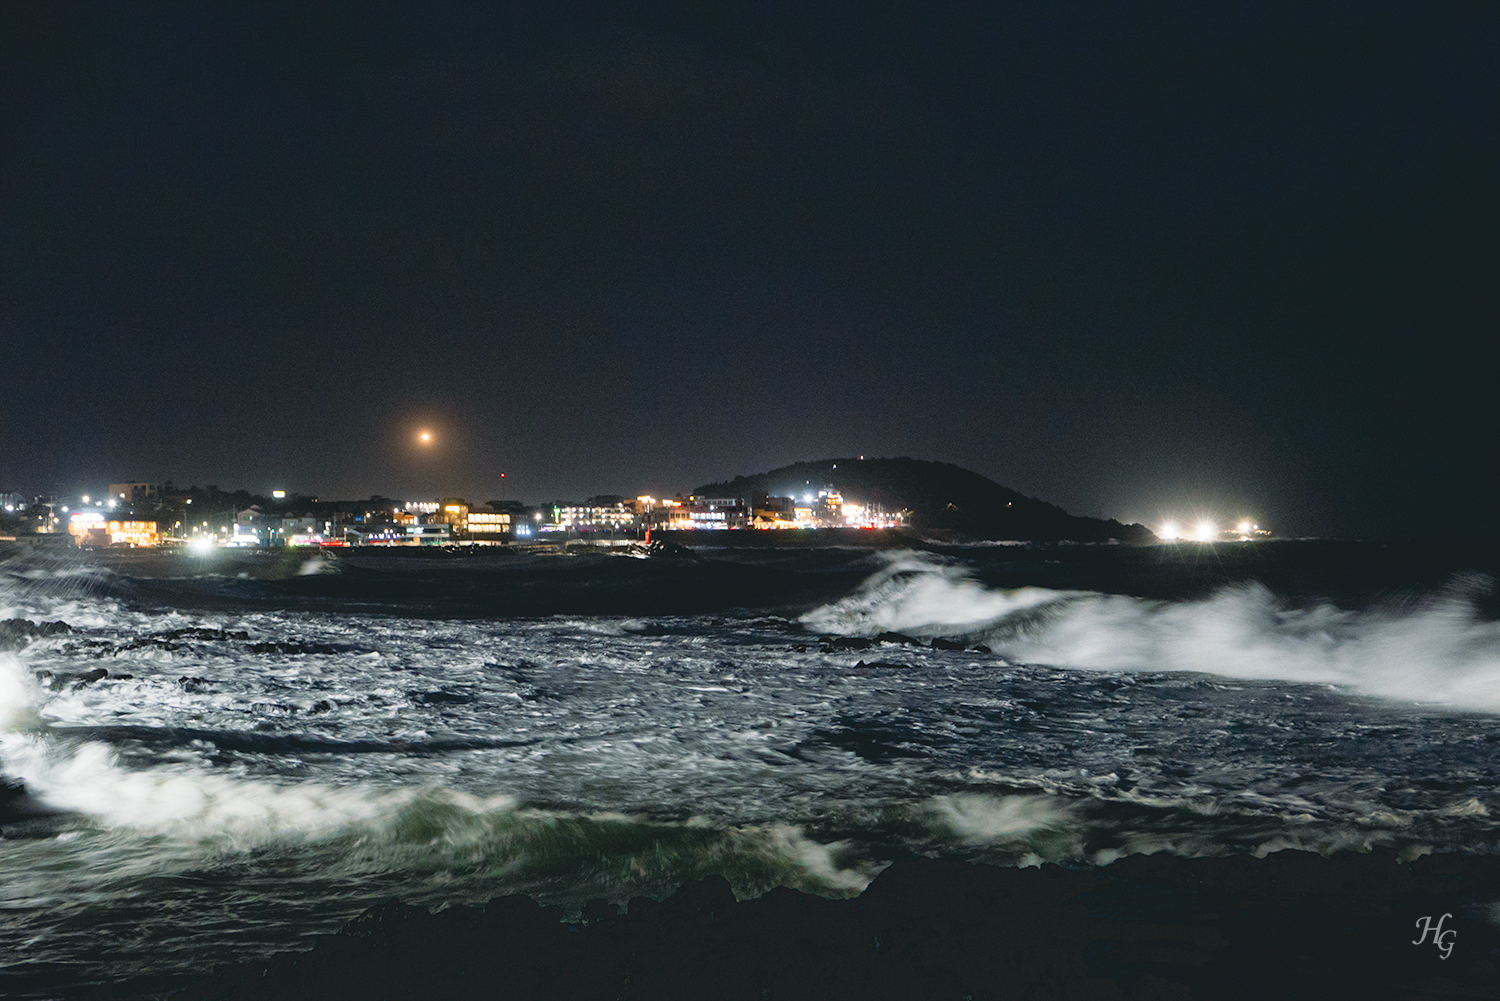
1132,259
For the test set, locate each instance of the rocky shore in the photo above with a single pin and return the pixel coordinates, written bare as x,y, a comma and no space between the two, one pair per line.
1291,925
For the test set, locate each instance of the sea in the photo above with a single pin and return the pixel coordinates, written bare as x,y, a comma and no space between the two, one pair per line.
222,757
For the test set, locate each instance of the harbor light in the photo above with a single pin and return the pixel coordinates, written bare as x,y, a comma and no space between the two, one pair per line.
1206,532
1169,531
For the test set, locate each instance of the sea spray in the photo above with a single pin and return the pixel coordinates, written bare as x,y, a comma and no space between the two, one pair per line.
1438,650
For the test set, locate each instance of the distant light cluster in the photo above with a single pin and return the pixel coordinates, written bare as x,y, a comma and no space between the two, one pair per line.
1209,530
144,515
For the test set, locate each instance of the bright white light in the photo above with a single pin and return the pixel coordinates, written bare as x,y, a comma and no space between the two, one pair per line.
1169,531
1244,527
1206,532
85,498
278,494
201,544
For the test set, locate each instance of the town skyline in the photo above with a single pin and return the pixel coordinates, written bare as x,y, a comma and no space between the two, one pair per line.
1124,259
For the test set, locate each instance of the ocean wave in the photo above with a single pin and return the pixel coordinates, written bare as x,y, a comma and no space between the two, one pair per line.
1441,650
373,827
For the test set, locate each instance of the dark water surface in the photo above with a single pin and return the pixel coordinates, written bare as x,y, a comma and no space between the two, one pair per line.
280,743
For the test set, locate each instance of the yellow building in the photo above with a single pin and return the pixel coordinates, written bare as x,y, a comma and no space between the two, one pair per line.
90,529
487,526
455,511
134,532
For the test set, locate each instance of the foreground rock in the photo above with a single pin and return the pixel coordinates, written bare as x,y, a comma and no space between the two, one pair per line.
16,634
1293,925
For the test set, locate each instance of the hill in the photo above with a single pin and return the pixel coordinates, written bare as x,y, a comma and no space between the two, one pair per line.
940,496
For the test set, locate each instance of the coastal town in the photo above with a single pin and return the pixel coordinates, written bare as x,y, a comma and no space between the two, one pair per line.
144,515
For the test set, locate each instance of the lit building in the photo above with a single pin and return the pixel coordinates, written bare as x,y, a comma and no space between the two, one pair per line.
253,527
606,513
433,533
90,528
134,532
489,527
454,511
303,530
772,512
829,509
717,513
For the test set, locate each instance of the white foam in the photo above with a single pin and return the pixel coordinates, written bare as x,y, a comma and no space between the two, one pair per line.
981,819
1440,651
914,593
180,800
816,859
17,695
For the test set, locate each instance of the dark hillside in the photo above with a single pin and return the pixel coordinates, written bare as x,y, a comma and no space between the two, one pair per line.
939,495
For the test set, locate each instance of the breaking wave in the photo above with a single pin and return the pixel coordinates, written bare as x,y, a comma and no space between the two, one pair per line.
413,829
1441,650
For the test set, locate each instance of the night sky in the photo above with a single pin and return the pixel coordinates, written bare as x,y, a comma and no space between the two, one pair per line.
1132,259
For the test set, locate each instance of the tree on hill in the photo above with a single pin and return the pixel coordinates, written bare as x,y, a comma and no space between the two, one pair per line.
939,496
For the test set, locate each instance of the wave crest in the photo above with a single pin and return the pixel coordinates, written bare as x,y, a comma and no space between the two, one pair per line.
1440,650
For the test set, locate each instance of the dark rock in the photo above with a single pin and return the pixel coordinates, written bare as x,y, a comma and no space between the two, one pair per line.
702,899
148,641
200,633
59,680
10,793
597,911
900,638
441,698
980,648
17,633
193,684
294,647
882,663
938,643
662,549
833,644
